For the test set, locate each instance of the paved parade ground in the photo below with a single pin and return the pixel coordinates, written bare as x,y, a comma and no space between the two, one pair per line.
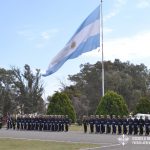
105,142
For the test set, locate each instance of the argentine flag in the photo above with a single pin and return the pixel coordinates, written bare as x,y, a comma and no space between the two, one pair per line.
85,39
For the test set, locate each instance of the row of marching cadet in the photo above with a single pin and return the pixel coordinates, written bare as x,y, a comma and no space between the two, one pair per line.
39,122
116,125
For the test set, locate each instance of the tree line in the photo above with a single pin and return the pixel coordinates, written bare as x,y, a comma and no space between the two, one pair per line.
130,81
127,89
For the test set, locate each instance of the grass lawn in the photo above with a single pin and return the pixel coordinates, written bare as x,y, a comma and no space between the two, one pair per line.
14,144
75,127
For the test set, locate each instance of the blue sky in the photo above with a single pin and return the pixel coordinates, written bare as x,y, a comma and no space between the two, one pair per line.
34,31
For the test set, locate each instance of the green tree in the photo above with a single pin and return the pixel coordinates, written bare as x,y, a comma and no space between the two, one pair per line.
7,95
29,90
60,104
21,92
129,80
112,104
143,106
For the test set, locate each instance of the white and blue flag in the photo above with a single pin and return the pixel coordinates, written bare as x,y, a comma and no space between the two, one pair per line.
85,39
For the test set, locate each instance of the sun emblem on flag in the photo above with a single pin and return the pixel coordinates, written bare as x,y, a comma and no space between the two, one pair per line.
73,44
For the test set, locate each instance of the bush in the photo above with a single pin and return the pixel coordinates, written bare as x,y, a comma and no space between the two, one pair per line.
60,104
112,104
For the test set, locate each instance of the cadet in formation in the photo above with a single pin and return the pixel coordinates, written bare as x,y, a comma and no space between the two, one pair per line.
116,125
58,123
0,121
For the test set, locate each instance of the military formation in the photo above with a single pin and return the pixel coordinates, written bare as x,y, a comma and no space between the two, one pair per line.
0,122
57,123
116,125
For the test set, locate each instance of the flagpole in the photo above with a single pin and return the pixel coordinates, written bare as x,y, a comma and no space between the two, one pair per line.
101,42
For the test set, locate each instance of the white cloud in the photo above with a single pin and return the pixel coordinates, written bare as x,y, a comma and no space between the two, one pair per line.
40,38
45,35
28,34
129,47
107,30
116,9
32,34
39,45
143,3
134,49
